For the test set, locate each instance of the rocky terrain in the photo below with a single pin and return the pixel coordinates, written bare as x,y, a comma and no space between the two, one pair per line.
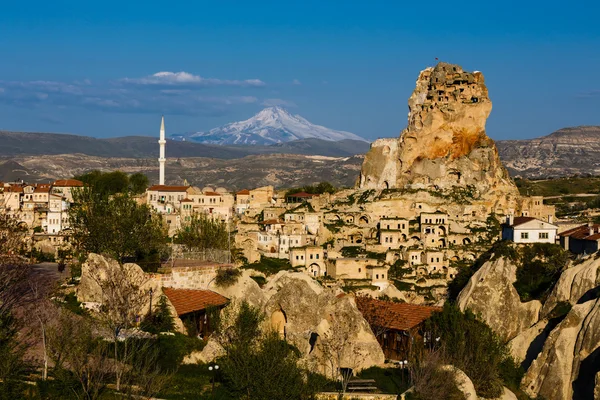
566,152
280,170
560,350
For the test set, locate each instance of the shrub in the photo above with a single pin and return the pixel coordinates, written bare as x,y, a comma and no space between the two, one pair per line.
160,320
352,251
227,276
471,346
261,280
541,266
270,266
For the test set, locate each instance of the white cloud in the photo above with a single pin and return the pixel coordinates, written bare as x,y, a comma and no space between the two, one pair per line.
185,78
278,102
296,82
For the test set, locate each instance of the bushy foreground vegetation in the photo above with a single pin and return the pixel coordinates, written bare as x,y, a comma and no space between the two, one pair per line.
538,268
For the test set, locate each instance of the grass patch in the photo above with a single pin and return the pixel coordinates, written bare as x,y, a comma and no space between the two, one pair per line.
388,380
192,382
270,266
261,280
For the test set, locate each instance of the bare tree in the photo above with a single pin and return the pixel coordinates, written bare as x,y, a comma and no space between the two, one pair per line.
12,234
432,378
339,353
78,353
123,299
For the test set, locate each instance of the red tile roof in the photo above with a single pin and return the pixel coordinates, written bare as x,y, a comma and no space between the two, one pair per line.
583,232
212,194
302,194
397,316
42,188
186,200
68,183
187,300
243,191
273,222
521,220
168,188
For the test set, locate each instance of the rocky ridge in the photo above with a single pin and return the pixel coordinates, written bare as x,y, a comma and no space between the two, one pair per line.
561,353
445,143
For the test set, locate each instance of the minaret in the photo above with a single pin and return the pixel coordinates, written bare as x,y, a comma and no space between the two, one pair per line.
162,159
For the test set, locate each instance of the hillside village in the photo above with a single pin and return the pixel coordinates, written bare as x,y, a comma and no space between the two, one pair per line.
321,262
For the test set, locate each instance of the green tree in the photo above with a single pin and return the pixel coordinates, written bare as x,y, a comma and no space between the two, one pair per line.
202,232
260,365
106,183
471,346
117,226
160,320
138,183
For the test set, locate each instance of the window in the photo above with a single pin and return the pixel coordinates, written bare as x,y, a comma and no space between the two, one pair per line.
359,270
311,256
297,257
377,276
524,235
317,256
543,235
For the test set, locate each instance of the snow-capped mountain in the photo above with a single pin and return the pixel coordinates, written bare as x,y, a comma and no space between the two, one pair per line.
271,125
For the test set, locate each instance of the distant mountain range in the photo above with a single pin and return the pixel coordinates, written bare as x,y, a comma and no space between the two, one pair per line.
31,143
566,152
271,125
45,156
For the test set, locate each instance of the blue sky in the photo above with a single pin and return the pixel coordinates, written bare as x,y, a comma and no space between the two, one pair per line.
90,67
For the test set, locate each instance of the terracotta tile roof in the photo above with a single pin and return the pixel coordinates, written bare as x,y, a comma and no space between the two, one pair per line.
212,194
521,220
583,232
186,200
68,183
42,188
302,194
243,191
15,189
187,300
272,222
397,316
168,188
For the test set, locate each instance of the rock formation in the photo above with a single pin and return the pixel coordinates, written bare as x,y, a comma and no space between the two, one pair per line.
491,295
445,143
574,283
559,372
324,327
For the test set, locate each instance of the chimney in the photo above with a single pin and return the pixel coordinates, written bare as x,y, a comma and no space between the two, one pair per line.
550,219
591,228
510,219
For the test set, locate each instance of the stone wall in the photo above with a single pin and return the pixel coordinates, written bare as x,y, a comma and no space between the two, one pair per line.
200,277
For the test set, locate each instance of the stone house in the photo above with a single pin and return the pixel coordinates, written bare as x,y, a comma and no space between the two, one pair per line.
584,239
166,199
528,230
242,201
273,213
260,197
311,257
65,188
358,269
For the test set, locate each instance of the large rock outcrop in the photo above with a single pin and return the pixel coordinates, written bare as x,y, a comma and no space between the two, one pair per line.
574,283
564,370
491,295
445,143
324,327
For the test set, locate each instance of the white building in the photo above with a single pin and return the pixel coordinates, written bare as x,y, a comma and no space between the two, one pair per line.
528,230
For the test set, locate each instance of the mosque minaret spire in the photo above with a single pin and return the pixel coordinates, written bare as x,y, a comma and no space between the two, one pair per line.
162,159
